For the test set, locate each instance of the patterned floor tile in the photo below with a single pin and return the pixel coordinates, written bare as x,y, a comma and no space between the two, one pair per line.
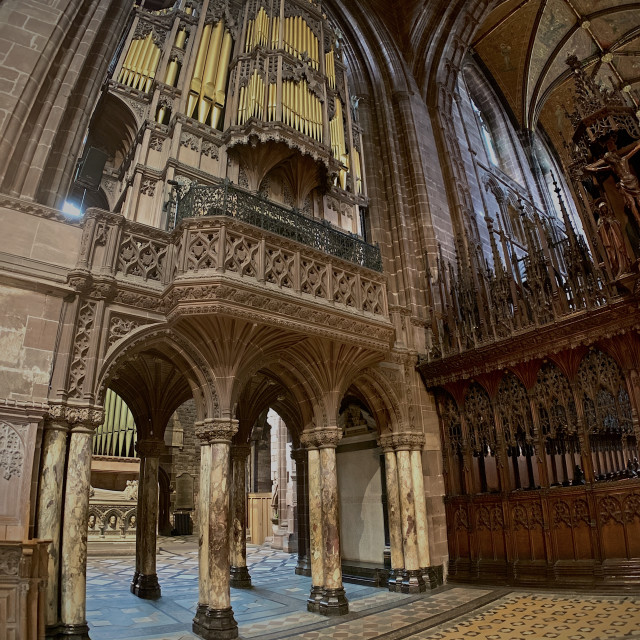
275,608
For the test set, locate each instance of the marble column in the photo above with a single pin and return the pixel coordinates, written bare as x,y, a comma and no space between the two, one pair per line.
203,522
215,620
54,455
239,574
303,567
412,580
421,509
393,510
73,623
316,549
145,580
334,601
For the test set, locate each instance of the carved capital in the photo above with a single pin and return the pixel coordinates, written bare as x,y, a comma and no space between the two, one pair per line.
321,438
385,442
150,448
216,430
62,416
401,441
80,280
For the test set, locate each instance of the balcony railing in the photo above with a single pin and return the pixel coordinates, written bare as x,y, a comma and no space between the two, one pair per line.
226,200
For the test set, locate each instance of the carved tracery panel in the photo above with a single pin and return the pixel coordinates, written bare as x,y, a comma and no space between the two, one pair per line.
607,413
558,423
517,426
478,415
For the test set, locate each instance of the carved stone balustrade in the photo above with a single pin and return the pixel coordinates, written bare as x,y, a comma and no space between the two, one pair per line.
221,264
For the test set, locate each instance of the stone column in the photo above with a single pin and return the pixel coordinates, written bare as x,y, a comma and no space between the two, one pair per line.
421,508
54,455
239,574
145,579
303,568
214,620
73,623
316,550
203,522
334,601
412,580
393,510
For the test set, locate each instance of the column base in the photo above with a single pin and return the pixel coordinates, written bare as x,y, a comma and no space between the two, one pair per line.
412,581
433,576
52,631
303,568
73,631
239,577
394,581
313,601
215,624
145,586
334,603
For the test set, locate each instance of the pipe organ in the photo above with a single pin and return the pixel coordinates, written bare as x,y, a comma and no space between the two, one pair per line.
253,91
140,64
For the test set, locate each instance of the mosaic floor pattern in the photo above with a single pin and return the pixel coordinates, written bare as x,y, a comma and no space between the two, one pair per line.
275,608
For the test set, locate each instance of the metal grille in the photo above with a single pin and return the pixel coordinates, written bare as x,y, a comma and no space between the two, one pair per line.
224,199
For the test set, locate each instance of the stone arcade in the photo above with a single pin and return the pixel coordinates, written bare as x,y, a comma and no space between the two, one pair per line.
421,213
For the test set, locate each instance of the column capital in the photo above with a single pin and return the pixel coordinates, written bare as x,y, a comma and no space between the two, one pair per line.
216,430
150,448
321,438
240,451
75,417
402,441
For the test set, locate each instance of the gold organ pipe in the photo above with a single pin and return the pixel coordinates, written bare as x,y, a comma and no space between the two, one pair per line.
151,73
287,29
135,60
145,69
275,30
172,73
221,79
286,102
357,170
189,10
241,106
210,71
196,80
161,114
127,60
247,44
181,38
138,62
145,59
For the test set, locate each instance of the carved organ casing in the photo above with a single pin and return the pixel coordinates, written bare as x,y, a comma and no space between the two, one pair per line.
254,93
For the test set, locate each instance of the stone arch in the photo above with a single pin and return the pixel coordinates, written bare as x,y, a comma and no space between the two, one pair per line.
190,362
383,400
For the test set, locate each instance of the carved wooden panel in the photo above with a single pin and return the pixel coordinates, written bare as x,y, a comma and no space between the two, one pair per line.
588,535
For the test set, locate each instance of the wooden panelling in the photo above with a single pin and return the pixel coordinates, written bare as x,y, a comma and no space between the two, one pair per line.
585,535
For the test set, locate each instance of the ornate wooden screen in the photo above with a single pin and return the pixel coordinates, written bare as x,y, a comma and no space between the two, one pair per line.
542,483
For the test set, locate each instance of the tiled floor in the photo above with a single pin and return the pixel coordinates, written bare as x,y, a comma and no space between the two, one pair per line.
275,607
